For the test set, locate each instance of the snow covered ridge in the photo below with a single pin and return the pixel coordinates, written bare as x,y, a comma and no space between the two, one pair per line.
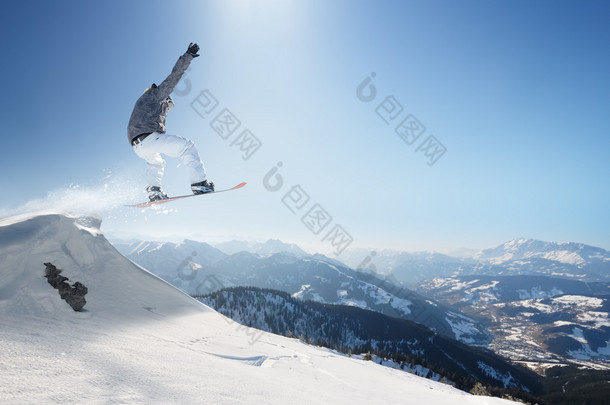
140,340
85,221
74,244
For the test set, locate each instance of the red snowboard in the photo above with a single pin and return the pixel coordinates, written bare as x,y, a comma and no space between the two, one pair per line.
149,203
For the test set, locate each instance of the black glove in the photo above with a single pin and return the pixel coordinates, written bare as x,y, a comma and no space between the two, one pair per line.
193,49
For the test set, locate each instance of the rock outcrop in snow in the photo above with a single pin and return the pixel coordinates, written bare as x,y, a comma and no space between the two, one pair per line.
74,294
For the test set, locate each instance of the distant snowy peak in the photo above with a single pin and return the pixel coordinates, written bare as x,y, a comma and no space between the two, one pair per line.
576,254
271,246
277,246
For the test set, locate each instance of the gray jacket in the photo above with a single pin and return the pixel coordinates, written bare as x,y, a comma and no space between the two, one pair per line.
151,108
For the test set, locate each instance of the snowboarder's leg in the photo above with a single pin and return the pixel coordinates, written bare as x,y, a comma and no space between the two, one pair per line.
179,147
155,169
155,163
193,163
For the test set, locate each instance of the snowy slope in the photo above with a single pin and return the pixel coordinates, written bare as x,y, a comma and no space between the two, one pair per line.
360,331
140,340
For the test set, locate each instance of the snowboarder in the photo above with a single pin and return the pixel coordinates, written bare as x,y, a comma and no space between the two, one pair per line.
146,133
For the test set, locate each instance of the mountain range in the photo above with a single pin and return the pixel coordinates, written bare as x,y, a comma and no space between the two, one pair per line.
466,304
516,257
261,248
311,277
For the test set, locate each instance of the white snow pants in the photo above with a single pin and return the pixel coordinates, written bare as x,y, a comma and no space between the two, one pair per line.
155,144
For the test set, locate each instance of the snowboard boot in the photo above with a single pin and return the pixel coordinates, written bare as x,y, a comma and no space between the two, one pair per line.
202,187
155,193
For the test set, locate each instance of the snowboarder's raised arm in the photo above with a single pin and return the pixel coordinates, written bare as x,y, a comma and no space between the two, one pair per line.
168,85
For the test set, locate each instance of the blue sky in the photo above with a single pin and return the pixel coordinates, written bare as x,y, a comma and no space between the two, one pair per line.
515,92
